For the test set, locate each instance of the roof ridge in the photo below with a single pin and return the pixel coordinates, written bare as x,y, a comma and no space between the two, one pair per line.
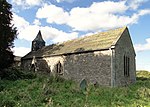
80,38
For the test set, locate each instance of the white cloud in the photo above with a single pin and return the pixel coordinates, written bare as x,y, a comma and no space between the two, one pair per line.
143,47
56,35
19,22
28,32
48,33
106,7
33,2
134,4
144,12
25,30
135,17
98,16
65,36
21,51
101,16
27,3
70,1
37,22
53,14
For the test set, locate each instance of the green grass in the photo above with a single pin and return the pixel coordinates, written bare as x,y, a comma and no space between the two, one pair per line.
45,91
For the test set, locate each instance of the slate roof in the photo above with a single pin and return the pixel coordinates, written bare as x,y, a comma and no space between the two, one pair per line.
99,41
39,37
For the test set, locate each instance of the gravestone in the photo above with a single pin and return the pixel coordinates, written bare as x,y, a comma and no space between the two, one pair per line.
83,84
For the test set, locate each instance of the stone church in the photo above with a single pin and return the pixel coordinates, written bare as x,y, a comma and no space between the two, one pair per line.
106,58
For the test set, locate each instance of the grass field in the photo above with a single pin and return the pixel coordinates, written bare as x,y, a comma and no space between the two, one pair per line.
44,91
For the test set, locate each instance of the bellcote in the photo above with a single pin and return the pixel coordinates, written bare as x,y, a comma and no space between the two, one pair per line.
38,42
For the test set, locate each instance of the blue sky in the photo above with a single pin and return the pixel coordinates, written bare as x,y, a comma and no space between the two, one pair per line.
61,20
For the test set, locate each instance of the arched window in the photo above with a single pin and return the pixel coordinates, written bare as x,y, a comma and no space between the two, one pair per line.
34,64
126,66
59,68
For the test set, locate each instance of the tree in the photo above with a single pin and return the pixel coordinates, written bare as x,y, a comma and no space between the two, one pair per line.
7,35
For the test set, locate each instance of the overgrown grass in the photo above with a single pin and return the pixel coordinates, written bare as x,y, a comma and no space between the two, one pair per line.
45,91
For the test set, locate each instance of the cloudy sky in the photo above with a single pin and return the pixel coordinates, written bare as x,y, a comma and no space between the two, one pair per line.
61,20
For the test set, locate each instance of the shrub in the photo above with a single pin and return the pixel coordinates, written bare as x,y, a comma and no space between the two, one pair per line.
8,103
13,73
143,74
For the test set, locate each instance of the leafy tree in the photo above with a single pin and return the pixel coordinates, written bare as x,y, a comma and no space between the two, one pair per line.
7,35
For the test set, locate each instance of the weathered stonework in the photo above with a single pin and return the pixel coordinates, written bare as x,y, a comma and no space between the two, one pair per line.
103,64
93,67
123,47
53,61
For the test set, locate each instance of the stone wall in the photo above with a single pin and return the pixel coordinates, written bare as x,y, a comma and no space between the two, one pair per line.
94,67
53,61
104,67
26,64
41,65
123,47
